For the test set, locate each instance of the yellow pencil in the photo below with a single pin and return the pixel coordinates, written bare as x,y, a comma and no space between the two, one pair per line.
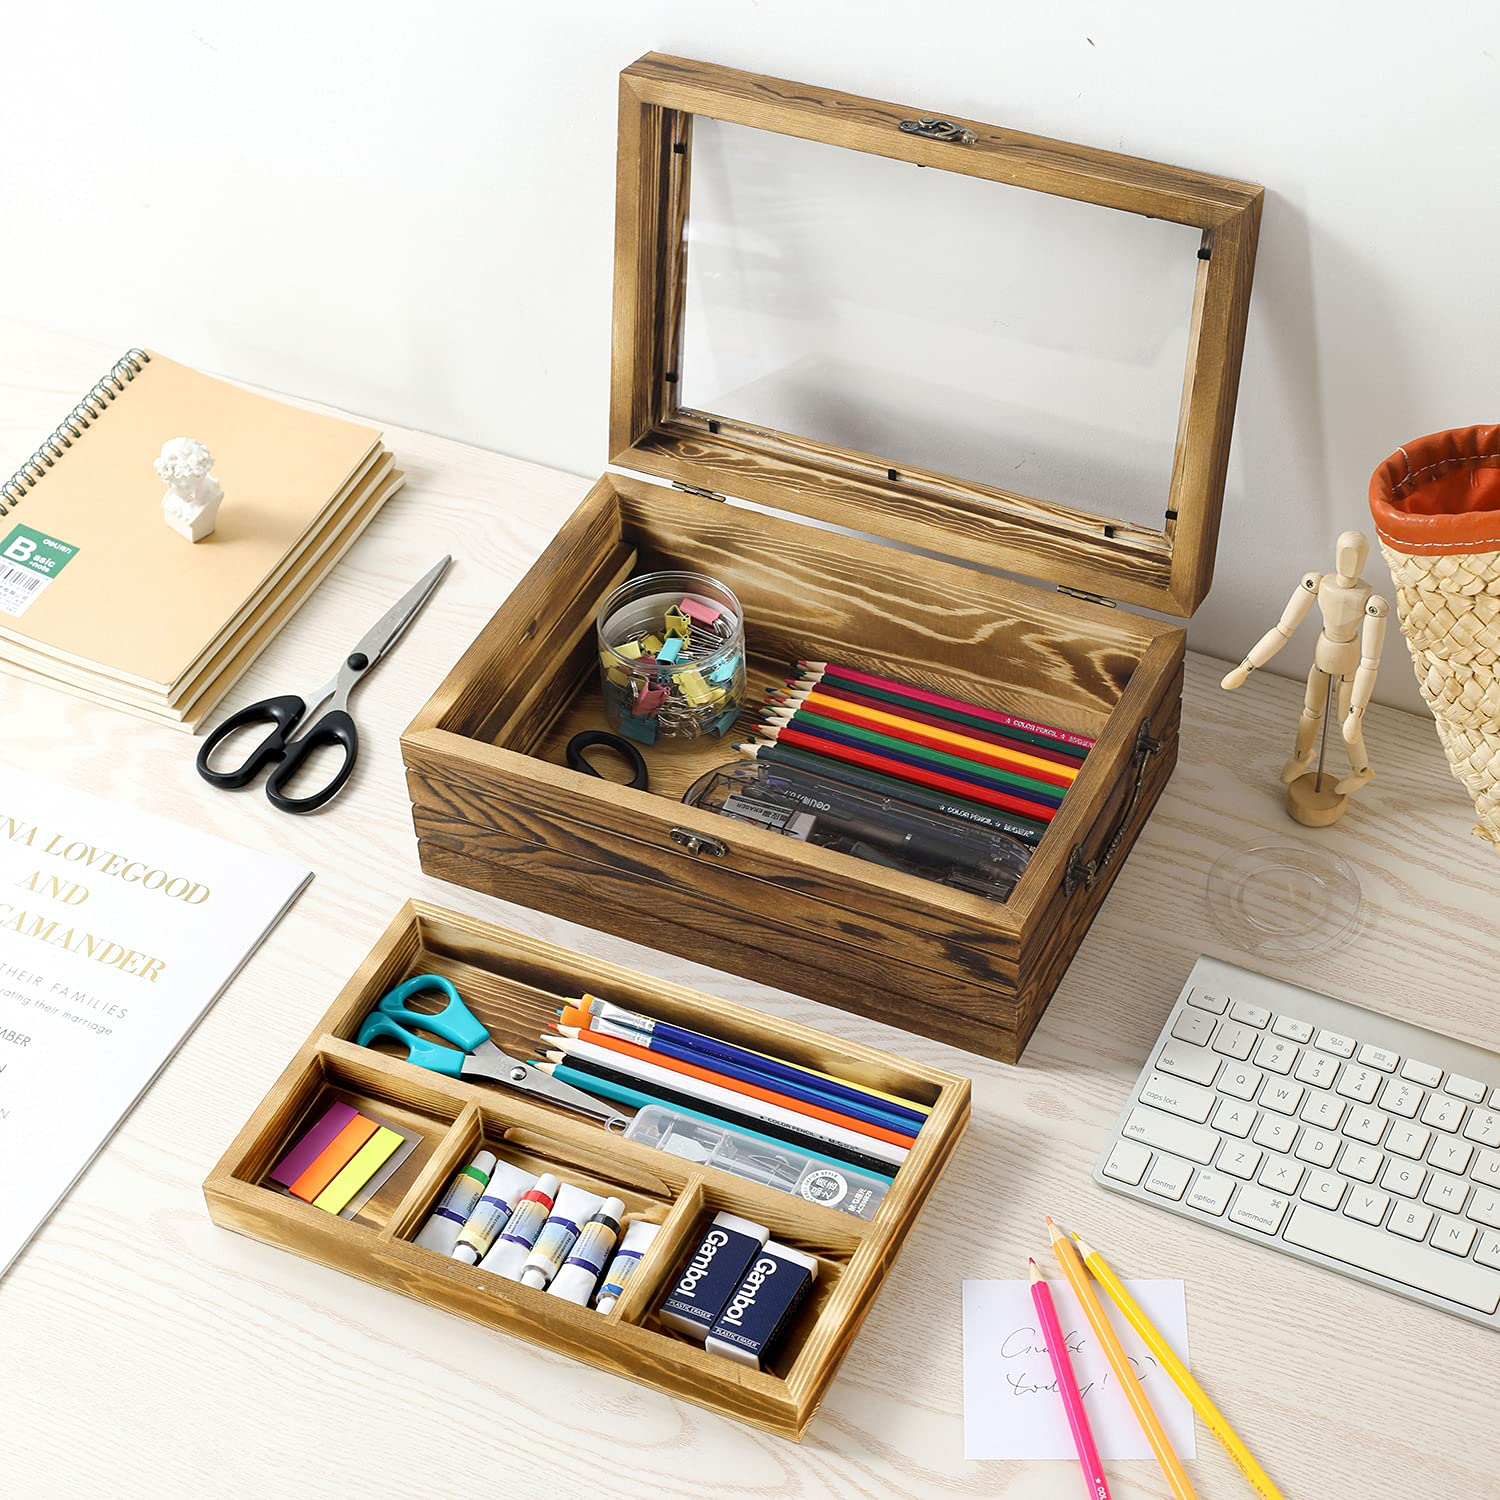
1260,1481
1119,1363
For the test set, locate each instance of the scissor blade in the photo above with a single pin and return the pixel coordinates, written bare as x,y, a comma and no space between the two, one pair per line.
387,630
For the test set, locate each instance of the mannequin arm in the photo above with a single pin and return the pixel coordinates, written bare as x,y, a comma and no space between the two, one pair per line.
1273,640
1372,640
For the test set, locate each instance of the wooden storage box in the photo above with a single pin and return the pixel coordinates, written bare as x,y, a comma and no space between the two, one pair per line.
515,984
495,807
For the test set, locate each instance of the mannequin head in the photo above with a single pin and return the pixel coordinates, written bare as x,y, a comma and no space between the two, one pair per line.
1350,551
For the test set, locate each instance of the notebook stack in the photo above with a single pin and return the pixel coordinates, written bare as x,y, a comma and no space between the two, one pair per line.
100,598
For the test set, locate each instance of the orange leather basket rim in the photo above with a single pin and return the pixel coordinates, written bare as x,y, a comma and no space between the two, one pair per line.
1440,493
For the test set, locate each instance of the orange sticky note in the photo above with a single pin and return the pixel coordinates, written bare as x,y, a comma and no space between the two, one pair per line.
363,1165
334,1157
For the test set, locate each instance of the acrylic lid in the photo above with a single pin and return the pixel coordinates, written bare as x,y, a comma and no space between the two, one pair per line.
804,322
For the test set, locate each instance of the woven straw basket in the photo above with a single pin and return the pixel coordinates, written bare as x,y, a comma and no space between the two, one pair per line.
1436,504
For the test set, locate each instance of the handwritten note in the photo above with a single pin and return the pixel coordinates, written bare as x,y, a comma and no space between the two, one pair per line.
1011,1407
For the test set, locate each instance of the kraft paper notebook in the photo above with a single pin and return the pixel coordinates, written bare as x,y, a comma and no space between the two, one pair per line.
100,597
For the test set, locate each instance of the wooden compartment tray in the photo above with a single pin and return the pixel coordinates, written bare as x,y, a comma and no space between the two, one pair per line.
515,984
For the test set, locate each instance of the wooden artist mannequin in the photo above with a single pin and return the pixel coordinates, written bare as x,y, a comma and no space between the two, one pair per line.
1345,661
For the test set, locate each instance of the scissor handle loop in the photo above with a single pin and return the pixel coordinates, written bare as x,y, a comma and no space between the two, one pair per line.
455,1022
280,713
333,728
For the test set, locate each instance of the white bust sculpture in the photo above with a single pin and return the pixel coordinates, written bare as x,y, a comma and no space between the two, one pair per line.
191,503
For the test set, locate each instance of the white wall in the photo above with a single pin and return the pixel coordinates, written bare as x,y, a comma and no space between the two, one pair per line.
406,209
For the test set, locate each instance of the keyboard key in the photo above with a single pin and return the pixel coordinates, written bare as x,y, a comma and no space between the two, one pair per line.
1275,1054
1207,1000
1240,1080
1234,1118
1488,1251
1178,1098
1127,1162
1486,1171
1167,1133
1483,1127
1275,1134
1446,1193
1239,1161
1368,1205
1449,1155
1401,1098
1193,1027
1419,1072
1292,1030
1470,1089
1379,1057
1453,1236
1168,1177
1418,1266
1410,1220
1282,1097
1324,1111
1257,1209
1495,1098
1359,1084
1402,1177
1324,1189
1319,1147
1409,1141
1331,1041
1234,1040
1365,1125
1362,1163
1484,1208
1442,1113
1181,1060
1249,1015
1210,1192
1281,1174
1317,1070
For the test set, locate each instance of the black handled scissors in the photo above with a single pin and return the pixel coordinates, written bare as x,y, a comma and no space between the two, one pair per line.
333,726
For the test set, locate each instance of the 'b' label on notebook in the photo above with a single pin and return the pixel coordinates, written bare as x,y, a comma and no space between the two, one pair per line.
29,561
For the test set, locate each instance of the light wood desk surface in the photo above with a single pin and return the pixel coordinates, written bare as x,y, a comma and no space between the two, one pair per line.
144,1351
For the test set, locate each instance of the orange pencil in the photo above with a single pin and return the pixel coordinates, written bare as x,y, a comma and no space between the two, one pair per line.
1119,1363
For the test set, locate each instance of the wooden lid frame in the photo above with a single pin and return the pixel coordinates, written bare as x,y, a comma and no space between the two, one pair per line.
1169,569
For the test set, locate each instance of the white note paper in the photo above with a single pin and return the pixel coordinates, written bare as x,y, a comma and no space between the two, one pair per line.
1011,1406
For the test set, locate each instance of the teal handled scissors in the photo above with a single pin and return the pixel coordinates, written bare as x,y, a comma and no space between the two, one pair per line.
476,1056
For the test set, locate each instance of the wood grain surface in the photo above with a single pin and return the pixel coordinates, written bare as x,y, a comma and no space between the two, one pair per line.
147,1352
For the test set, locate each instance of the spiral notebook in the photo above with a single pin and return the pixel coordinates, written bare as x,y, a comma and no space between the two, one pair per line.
100,598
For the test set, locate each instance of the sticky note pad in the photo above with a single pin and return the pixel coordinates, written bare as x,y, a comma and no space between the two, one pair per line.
333,1158
307,1150
362,1166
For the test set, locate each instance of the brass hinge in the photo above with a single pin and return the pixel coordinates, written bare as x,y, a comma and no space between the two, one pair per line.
1087,597
697,489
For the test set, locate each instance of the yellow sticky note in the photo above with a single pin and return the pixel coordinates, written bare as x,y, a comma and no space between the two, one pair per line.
363,1165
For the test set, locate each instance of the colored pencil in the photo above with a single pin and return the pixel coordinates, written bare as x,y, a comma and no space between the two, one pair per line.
850,694
648,1032
941,701
1008,757
609,1084
1028,830
712,1078
1119,1363
908,770
1007,772
1167,1357
563,1049
1067,1387
736,1076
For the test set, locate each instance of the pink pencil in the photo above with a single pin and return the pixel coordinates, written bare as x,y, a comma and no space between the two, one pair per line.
1067,1387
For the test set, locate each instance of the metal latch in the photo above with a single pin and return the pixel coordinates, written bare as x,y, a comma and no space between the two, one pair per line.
940,130
697,489
1087,597
699,843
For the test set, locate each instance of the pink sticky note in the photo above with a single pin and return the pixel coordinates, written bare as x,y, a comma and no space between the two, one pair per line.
696,609
313,1144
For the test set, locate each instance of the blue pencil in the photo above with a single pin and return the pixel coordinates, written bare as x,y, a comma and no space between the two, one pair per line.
771,1072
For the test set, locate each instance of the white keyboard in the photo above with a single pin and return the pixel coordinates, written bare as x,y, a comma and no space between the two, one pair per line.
1326,1131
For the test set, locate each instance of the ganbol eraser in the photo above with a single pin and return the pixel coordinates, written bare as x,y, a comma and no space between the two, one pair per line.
712,1273
762,1305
